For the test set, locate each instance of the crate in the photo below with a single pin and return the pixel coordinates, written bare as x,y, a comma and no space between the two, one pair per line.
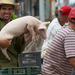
31,59
19,71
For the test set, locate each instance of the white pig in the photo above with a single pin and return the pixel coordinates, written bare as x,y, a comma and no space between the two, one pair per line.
27,24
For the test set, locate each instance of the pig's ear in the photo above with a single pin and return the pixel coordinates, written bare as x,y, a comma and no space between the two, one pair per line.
42,27
45,23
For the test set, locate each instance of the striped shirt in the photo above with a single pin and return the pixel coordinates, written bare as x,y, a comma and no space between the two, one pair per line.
56,60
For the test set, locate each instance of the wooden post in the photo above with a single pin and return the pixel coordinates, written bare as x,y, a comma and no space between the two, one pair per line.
50,10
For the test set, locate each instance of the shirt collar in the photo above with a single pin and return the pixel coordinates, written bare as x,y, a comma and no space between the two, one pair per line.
59,21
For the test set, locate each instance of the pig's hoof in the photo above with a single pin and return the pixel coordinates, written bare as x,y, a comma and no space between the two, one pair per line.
8,59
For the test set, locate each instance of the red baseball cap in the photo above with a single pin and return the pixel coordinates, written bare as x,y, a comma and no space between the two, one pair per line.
72,15
64,10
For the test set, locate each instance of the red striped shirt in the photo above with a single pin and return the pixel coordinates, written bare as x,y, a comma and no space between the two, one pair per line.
56,60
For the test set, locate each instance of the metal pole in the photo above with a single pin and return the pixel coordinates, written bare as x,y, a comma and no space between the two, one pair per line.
47,10
58,4
14,1
41,10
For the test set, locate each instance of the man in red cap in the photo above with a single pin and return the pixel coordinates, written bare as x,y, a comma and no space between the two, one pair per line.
54,26
60,55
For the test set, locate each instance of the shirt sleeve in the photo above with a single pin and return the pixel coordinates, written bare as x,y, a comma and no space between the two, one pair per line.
55,29
69,45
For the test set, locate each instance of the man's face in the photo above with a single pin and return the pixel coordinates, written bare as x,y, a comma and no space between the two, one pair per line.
6,11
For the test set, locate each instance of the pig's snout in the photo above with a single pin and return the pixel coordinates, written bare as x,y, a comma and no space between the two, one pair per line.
44,37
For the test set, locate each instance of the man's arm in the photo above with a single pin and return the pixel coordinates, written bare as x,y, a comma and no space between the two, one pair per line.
72,62
21,37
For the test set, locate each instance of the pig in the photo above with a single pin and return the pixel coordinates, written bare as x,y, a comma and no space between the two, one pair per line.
26,24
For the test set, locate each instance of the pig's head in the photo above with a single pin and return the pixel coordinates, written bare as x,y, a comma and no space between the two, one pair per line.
42,30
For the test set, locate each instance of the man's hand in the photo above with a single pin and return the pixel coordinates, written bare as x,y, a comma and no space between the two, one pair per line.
4,43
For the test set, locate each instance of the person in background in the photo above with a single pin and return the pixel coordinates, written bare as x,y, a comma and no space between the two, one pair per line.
56,12
17,10
17,46
60,55
54,26
35,9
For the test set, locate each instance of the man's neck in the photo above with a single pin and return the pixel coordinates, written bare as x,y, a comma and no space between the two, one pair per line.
7,21
72,26
62,22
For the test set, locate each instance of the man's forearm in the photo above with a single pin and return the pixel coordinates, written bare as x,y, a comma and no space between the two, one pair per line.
21,37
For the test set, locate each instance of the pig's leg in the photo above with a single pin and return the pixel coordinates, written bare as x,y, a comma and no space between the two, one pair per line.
32,32
4,51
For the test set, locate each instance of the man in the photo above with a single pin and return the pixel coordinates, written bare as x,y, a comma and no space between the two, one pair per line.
56,12
17,45
54,26
60,55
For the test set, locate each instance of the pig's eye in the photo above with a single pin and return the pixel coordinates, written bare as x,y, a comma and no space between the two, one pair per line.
42,29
